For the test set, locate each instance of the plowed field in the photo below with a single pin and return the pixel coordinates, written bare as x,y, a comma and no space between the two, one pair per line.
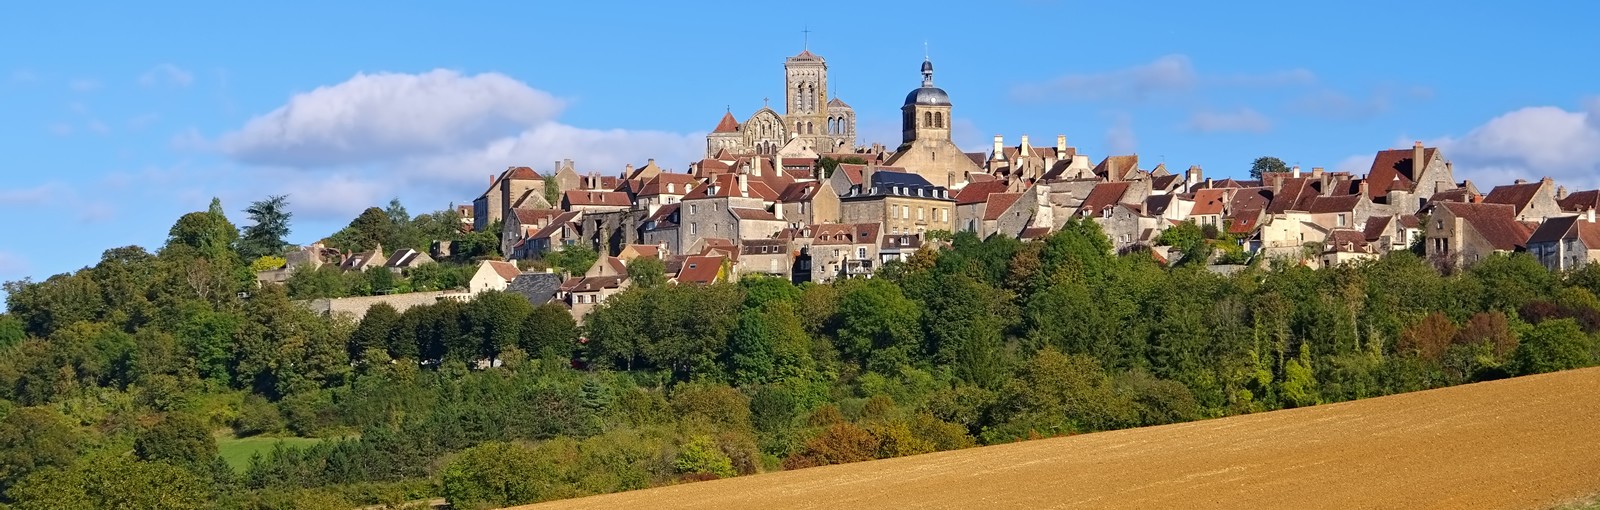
1525,443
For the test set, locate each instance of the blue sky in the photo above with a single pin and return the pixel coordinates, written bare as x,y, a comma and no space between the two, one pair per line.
118,118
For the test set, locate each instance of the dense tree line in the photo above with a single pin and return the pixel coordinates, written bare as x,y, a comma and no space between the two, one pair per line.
117,378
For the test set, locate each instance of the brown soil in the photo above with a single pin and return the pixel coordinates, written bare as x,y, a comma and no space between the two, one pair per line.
1525,443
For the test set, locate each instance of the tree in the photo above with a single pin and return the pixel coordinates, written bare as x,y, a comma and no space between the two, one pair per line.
826,165
574,260
112,481
500,474
202,234
700,456
496,319
179,439
372,228
1552,345
1266,164
271,225
35,438
376,327
880,325
549,332
646,272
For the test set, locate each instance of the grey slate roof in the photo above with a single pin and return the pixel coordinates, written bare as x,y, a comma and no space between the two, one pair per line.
539,288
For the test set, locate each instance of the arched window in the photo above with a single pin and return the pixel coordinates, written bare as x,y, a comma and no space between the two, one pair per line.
808,129
927,119
797,127
938,119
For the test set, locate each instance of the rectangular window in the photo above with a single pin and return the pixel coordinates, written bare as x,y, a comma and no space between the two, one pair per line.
1342,219
694,228
919,214
861,253
692,208
944,215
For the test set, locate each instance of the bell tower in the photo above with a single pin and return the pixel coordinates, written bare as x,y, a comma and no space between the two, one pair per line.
805,105
926,114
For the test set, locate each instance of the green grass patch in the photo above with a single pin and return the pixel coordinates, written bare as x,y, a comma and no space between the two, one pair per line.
237,451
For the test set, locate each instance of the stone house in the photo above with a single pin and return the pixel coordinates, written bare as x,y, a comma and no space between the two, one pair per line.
523,223
849,250
904,203
582,294
765,257
1461,234
809,203
594,201
1392,232
1008,214
1398,181
703,270
1128,226
661,229
1343,245
406,260
1566,242
664,189
492,275
972,204
898,247
560,231
1533,201
706,212
518,186
364,260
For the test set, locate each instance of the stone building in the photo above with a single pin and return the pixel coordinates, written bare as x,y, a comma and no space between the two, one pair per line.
1566,242
904,203
518,186
728,207
811,123
1461,234
925,146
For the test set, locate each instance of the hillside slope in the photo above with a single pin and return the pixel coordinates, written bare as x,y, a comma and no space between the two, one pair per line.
1525,443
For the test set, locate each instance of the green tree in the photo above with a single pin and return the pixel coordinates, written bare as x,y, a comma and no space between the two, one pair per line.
498,474
496,320
114,482
270,218
701,456
180,440
374,331
549,332
879,329
573,260
1266,164
372,228
32,439
826,164
1552,345
646,272
202,234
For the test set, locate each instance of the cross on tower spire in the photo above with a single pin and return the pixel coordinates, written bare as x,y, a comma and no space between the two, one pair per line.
806,38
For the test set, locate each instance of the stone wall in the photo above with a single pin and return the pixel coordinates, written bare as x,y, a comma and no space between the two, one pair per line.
356,307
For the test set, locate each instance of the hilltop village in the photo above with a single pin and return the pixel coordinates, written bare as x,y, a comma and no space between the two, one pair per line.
795,195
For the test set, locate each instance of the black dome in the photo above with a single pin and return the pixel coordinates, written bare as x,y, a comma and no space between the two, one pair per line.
928,96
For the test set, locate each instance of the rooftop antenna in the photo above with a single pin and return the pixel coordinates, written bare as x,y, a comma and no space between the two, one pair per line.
925,49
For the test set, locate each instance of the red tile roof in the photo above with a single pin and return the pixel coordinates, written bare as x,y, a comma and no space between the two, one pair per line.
1580,201
976,192
658,185
727,185
744,213
1346,240
580,197
1376,227
700,270
506,270
727,125
845,233
1495,222
1392,169
1115,167
535,217
1515,195
1105,194
1208,202
1336,204
998,204
799,192
522,173
592,283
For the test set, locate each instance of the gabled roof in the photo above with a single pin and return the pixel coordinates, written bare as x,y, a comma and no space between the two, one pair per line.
1393,169
1580,201
1495,222
901,242
1554,230
1455,195
1032,233
700,270
1376,227
1208,202
1334,204
727,185
845,233
1170,181
977,192
1105,194
663,214
978,158
555,225
763,246
745,213
799,192
836,103
506,270
1515,195
522,173
539,288
535,217
680,184
1157,205
592,283
405,258
1115,167
998,204
727,125
1344,240
580,197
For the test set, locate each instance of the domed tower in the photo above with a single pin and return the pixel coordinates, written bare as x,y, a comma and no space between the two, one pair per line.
926,114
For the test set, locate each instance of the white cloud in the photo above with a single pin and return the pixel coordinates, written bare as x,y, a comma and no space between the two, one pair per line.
1138,83
59,128
1530,143
1356,164
1120,138
373,117
139,123
23,76
1243,120
166,74
37,195
1168,75
429,138
83,85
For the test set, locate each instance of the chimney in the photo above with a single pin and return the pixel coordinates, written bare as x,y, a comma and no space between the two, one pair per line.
744,185
1520,181
1061,146
627,170
1417,163
558,168
1295,172
491,179
1363,188
755,166
1316,172
777,210
1026,150
1561,192
1546,181
1192,177
999,147
866,177
1589,215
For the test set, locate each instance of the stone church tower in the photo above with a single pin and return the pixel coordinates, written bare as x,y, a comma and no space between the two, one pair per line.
925,146
811,123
